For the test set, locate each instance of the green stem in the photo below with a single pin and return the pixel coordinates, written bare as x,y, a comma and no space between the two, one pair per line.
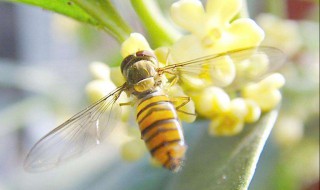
244,13
160,31
104,12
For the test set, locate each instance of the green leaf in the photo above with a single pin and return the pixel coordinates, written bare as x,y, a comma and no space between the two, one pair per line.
64,7
225,163
107,16
99,13
211,162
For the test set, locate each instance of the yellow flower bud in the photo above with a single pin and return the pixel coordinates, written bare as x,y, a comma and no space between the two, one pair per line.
265,93
265,98
194,83
226,124
163,56
134,43
100,70
97,89
116,76
211,101
239,107
223,72
273,81
253,113
133,150
254,66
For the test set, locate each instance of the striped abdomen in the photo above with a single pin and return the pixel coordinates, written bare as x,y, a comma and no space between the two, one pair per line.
161,130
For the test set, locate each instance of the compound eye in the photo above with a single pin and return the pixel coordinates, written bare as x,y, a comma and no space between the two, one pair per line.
126,61
145,53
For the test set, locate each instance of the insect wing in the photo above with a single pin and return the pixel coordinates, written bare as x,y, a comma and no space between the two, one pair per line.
77,135
250,64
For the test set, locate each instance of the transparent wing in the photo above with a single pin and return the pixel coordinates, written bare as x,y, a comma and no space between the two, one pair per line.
250,64
77,135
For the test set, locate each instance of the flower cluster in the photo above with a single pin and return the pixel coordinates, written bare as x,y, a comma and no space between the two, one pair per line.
221,90
213,30
301,72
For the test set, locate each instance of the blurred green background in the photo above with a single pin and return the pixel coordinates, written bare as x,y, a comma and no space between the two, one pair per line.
44,60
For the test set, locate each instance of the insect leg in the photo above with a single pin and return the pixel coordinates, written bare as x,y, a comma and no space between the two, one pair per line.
174,79
131,103
181,101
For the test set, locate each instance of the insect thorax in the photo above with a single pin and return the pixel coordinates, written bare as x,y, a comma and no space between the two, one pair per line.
140,72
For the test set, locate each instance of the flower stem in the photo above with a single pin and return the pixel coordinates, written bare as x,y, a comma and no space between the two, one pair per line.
158,27
107,15
244,13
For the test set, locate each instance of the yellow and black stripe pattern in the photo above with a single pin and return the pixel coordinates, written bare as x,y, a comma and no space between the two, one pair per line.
161,130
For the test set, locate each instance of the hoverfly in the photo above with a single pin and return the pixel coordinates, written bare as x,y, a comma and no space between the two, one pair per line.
156,112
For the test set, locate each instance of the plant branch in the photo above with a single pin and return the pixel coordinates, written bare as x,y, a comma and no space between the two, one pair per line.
158,27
